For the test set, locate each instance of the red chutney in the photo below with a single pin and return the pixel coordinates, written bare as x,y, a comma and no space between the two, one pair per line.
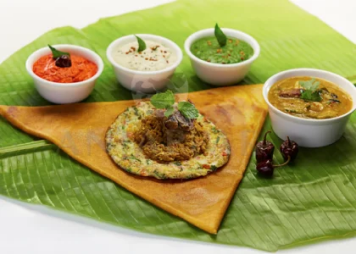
81,69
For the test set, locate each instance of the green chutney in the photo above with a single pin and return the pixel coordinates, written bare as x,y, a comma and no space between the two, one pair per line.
235,50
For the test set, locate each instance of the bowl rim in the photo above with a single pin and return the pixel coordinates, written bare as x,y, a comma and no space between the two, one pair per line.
45,50
171,43
268,84
192,38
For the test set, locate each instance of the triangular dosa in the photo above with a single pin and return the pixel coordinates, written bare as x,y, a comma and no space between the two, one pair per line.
79,130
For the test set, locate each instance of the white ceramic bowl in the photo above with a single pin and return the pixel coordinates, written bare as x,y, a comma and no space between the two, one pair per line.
64,93
309,132
221,74
143,81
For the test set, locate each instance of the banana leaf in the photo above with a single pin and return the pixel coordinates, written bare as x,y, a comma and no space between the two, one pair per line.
310,200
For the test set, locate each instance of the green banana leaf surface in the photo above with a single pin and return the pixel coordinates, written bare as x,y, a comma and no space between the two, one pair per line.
310,200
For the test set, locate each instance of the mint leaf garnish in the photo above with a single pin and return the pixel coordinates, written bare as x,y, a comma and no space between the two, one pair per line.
169,111
163,100
141,44
188,110
311,92
56,53
220,36
166,100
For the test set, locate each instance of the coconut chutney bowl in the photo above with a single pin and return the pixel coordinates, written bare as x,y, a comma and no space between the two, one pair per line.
65,92
221,74
310,130
147,71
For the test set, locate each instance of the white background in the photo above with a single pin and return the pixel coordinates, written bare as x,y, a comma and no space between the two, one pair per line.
39,230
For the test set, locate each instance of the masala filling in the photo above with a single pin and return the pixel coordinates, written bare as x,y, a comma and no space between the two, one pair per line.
175,138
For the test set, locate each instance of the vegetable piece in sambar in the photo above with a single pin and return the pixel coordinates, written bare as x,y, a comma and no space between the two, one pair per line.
309,97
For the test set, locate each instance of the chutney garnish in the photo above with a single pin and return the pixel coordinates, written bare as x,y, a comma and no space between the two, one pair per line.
63,61
141,44
62,58
220,36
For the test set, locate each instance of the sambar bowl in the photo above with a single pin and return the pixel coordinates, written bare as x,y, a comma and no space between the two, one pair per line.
305,131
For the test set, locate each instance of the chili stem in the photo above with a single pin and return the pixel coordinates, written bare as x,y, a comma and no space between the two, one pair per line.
283,164
265,137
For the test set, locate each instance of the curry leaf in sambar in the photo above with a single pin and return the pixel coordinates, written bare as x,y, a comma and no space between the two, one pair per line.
310,91
308,95
310,84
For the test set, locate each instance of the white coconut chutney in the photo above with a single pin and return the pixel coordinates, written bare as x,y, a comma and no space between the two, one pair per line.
155,57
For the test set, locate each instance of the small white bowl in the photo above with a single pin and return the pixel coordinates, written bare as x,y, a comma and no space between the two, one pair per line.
143,81
309,132
221,74
64,93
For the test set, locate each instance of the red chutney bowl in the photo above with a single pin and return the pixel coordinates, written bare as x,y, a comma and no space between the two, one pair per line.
65,90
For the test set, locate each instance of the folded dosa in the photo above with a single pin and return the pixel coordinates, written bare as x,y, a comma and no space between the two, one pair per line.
79,130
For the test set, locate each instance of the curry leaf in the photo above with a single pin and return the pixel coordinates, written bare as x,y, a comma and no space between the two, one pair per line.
141,44
163,100
188,110
310,84
56,53
220,36
310,93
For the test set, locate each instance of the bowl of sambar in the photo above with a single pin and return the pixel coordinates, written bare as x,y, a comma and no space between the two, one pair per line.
310,106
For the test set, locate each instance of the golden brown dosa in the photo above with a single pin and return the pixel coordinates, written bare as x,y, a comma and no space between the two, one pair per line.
79,130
